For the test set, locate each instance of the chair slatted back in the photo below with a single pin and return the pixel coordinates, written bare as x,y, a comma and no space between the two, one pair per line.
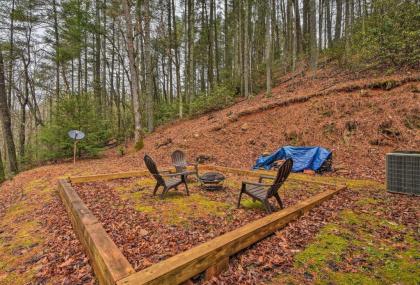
282,174
151,166
179,160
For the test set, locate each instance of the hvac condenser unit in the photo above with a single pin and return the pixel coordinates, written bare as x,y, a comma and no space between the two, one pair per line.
403,172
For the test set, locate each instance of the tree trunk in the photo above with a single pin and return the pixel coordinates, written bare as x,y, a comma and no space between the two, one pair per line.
338,19
210,32
177,67
170,69
329,25
313,52
11,50
57,52
298,29
246,50
268,48
190,63
2,173
216,43
6,123
138,135
320,19
97,66
149,71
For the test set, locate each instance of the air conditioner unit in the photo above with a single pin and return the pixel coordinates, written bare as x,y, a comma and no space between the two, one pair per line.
403,172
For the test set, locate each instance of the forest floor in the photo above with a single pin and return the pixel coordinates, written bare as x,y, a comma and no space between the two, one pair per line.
363,235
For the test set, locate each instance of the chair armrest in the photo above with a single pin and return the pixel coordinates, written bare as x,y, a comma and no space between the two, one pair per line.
262,176
256,184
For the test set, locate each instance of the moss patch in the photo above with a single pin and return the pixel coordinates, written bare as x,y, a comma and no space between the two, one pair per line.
250,204
176,208
359,249
21,237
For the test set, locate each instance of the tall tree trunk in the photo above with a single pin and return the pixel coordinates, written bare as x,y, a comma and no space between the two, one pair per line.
246,50
170,69
216,43
177,67
338,19
97,66
289,43
138,135
226,56
149,71
103,49
190,63
6,122
268,48
347,30
329,25
57,52
11,51
320,21
313,52
306,25
298,29
210,31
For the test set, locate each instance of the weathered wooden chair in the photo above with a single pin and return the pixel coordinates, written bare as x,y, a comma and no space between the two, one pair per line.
172,180
262,192
180,162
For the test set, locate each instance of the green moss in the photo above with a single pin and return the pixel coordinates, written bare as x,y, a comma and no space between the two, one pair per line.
350,217
17,248
17,278
145,209
402,267
345,278
359,236
176,208
328,246
250,204
366,201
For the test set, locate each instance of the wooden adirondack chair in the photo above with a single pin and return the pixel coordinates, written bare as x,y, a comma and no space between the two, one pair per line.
180,162
171,180
262,192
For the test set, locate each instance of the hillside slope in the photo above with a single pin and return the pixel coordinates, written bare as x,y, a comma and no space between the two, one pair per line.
359,119
360,124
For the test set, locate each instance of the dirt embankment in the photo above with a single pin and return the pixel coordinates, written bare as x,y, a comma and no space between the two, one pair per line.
359,119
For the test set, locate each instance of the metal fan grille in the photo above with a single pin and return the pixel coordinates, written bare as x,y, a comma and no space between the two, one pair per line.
403,172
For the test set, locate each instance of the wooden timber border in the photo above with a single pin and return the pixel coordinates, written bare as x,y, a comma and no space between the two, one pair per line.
211,257
107,260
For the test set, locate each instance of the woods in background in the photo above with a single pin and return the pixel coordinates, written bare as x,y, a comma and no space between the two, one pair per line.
116,69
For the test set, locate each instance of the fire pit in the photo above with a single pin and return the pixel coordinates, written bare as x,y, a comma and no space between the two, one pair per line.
212,180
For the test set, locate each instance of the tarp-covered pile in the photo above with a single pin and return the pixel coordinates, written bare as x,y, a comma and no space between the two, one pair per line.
303,158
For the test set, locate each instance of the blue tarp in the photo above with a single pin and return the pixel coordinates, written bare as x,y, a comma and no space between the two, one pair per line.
303,157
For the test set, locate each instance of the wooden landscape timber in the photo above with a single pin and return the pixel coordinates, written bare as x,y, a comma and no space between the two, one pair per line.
108,262
188,264
211,257
201,167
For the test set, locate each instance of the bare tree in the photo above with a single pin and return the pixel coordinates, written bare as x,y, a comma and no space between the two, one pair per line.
138,136
6,122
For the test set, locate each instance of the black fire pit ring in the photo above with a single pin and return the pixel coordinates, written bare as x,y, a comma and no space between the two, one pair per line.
212,180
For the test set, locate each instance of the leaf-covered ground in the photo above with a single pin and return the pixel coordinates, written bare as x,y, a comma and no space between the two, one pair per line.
149,229
364,235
